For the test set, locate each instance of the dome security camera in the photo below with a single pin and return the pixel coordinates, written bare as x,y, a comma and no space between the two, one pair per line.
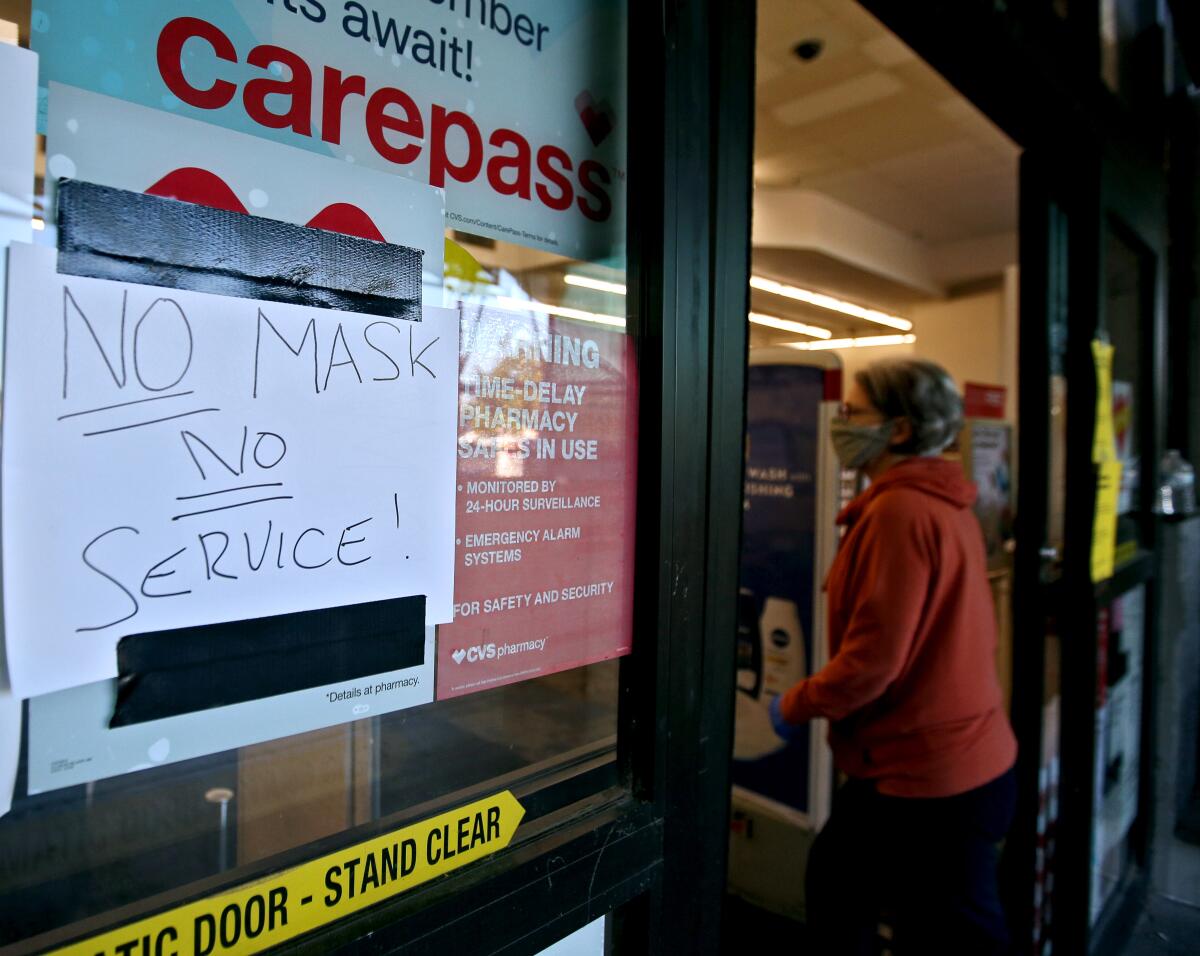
808,50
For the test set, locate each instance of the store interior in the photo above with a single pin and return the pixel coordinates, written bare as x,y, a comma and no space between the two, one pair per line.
885,226
878,184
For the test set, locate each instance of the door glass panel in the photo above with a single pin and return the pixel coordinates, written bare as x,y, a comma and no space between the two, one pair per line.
1127,317
1119,653
515,133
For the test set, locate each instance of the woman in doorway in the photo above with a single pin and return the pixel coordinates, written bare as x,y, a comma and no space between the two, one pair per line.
917,721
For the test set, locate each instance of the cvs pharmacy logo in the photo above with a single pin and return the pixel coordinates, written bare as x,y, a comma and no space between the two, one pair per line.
489,652
480,652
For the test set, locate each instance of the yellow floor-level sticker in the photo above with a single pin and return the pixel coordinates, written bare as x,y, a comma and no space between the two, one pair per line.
256,916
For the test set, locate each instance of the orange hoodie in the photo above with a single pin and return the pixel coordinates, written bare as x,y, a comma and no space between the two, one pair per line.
910,687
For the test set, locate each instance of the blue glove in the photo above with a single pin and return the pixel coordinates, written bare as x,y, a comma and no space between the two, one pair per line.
784,728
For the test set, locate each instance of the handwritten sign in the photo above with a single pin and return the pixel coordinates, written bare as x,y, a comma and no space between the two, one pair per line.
172,458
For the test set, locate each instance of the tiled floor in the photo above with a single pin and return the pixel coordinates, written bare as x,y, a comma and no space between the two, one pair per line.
1166,928
748,929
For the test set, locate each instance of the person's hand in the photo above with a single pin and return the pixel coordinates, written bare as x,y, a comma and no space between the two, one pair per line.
784,728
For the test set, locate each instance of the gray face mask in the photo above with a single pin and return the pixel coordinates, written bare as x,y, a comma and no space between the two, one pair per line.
859,445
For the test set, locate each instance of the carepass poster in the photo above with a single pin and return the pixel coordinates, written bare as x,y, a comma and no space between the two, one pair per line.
514,107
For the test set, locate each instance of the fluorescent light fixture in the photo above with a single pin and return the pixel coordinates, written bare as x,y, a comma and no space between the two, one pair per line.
787,325
587,282
532,305
862,342
38,224
823,301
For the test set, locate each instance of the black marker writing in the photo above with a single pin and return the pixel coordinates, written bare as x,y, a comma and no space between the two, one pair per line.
266,544
340,336
136,401
166,574
153,421
296,549
210,567
189,437
225,491
311,328
343,543
258,444
109,577
391,361
240,504
414,362
69,300
137,331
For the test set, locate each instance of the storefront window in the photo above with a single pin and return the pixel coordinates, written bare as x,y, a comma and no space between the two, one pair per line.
386,181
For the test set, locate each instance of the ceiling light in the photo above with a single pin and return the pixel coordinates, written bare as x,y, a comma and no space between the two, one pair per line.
532,305
823,301
787,325
862,342
587,282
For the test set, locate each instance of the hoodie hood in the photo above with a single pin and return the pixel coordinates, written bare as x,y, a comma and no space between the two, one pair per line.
935,477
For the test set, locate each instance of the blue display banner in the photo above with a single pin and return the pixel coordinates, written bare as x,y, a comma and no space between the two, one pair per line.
776,619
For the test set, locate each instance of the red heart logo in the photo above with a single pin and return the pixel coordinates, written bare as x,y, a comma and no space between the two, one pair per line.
346,218
199,186
598,118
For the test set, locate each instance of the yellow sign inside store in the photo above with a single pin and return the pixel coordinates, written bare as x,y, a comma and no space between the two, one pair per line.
1104,524
267,912
1104,442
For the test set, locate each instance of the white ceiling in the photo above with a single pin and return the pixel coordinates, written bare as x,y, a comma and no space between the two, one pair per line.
871,125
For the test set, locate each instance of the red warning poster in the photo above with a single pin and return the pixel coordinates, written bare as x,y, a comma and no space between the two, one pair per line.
546,487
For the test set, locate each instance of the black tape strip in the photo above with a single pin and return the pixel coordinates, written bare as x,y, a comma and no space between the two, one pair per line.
108,233
168,673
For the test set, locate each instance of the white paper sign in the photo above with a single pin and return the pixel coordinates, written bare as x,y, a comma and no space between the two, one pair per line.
172,458
18,80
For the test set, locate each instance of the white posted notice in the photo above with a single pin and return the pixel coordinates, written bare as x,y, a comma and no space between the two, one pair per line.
172,458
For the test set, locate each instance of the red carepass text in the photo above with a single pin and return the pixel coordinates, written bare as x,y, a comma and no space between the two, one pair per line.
397,129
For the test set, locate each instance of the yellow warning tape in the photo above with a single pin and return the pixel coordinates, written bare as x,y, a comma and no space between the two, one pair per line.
256,916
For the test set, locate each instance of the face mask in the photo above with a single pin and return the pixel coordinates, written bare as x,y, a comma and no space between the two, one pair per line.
859,445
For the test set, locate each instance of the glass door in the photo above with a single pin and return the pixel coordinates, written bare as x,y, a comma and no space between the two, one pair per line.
1092,388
